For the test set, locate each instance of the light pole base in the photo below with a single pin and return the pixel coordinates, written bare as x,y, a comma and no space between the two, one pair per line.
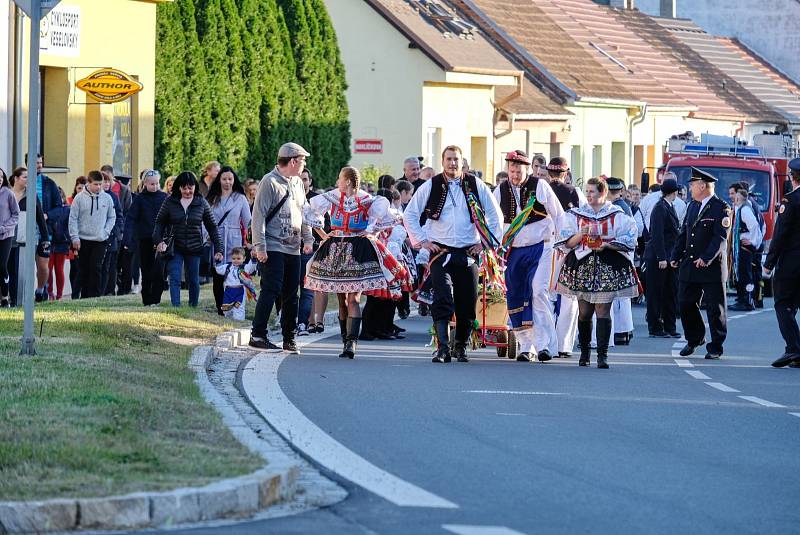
28,346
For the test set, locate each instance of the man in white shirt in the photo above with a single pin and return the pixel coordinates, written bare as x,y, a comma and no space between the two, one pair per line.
746,238
454,243
530,260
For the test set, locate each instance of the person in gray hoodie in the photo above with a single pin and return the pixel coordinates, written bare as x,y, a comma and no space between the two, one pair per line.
9,215
91,220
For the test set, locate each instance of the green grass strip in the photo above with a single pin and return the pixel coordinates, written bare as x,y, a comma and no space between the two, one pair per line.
108,406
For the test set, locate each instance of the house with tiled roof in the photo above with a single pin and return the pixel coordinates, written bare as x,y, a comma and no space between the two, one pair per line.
421,76
617,72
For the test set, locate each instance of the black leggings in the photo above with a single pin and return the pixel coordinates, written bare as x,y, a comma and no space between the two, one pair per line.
5,252
587,309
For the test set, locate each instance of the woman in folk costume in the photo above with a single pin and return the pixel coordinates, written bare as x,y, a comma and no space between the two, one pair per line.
531,215
349,261
600,239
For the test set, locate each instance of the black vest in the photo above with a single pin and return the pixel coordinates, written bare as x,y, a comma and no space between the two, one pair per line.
567,195
438,196
509,204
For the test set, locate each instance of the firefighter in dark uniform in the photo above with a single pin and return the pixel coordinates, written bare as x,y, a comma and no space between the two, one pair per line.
700,255
784,259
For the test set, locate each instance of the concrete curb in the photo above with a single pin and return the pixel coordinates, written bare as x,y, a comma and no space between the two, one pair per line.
231,498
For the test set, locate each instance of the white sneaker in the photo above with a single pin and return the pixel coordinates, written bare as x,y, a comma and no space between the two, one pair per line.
302,330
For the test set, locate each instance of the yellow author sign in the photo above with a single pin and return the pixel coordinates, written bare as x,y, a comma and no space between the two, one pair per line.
109,86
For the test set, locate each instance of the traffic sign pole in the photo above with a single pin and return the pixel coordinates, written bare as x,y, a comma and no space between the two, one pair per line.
29,260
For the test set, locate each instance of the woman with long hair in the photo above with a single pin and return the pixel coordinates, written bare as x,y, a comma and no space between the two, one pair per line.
229,205
599,240
180,221
350,261
19,181
9,216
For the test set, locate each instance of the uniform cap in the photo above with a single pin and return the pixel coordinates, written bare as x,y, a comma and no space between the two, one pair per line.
670,185
615,184
699,174
518,156
292,150
794,164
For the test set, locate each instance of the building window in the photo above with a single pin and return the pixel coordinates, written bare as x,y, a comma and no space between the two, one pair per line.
122,138
576,163
433,147
597,160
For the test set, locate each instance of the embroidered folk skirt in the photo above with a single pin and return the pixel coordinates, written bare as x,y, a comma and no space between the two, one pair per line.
355,264
598,277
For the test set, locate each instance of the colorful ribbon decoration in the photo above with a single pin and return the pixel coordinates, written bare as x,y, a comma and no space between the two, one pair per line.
515,227
488,259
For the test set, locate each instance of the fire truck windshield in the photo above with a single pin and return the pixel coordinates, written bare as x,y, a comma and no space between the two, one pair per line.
758,181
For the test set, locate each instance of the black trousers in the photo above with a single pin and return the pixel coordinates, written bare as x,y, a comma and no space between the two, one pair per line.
662,301
713,293
280,277
90,267
13,275
787,301
108,282
74,278
455,290
124,276
744,273
152,274
218,287
5,253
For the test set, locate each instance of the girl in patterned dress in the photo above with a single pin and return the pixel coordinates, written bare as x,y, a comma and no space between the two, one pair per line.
350,261
599,239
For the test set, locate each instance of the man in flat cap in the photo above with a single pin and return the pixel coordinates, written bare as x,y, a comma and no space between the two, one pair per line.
784,259
662,303
278,235
700,256
530,259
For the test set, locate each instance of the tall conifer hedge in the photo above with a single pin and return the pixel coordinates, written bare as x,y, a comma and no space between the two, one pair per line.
237,78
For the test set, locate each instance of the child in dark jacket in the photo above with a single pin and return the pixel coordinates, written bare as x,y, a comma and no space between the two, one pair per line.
58,221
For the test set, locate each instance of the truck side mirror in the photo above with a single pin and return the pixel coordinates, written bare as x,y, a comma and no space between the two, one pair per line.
645,181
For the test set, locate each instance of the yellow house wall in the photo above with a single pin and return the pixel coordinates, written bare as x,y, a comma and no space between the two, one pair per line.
462,112
113,33
385,82
590,127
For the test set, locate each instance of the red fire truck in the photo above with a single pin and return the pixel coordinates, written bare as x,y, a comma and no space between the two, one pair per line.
763,165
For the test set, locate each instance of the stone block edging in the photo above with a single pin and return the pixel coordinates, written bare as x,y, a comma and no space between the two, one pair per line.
231,498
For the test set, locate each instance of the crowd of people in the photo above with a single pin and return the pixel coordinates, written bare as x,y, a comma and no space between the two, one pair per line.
570,262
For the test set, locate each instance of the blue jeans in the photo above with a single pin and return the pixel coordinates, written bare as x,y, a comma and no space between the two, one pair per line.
175,270
306,296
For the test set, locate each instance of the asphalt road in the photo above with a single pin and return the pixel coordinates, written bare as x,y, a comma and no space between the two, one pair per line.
656,444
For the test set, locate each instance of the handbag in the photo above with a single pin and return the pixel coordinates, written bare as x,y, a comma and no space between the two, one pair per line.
169,252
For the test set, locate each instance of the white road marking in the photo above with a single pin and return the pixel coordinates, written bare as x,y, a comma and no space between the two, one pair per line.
683,363
795,414
763,402
260,381
514,392
677,345
676,352
736,317
722,388
697,375
753,312
510,414
460,529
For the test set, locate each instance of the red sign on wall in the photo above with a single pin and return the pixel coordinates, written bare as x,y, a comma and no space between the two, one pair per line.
368,146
